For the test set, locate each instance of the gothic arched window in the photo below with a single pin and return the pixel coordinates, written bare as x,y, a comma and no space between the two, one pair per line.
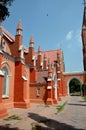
5,82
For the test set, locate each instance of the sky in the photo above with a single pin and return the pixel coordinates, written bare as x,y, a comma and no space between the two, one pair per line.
54,24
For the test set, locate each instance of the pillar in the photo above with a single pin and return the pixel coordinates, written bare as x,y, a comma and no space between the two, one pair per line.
21,89
49,92
3,110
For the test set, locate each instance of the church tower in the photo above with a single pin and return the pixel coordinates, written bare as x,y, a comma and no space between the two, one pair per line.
84,37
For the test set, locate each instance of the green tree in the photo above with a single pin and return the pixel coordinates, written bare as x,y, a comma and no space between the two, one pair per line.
74,85
4,9
4,12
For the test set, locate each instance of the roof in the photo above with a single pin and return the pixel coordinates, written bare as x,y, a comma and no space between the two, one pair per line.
42,76
51,54
8,35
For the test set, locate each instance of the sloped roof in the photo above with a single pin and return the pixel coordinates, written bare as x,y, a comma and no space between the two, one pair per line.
42,76
51,54
8,35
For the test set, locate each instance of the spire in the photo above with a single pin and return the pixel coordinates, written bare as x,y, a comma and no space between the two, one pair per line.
84,15
31,43
31,40
49,66
84,36
45,58
39,50
19,29
19,25
44,62
84,3
31,51
39,59
49,69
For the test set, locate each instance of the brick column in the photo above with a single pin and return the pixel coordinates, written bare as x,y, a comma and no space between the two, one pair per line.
50,94
39,59
45,62
31,52
58,69
21,90
3,110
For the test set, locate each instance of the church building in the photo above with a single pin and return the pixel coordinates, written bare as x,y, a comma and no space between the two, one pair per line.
27,76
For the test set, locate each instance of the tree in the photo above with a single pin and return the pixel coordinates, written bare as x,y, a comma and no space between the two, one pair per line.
4,4
84,89
74,85
4,9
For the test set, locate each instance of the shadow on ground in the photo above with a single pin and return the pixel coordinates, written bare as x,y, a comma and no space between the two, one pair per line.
7,127
75,94
49,123
77,104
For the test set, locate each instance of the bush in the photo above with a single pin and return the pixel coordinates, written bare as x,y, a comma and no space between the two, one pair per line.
84,89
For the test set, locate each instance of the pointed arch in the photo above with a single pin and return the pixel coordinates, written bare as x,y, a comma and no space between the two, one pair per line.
7,72
5,64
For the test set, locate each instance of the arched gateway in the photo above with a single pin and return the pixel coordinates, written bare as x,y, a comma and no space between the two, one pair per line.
68,77
75,86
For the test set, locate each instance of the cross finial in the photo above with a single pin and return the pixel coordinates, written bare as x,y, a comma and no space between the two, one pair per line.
84,3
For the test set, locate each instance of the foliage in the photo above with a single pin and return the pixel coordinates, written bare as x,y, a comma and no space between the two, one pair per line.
13,117
6,2
74,86
76,93
4,8
84,89
61,107
34,128
84,98
84,86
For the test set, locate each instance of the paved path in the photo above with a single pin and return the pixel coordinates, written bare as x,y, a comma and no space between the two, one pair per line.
73,117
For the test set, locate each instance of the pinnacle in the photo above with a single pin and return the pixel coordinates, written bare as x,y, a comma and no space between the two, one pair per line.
19,25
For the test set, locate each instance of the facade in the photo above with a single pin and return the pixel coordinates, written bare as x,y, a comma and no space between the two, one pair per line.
27,76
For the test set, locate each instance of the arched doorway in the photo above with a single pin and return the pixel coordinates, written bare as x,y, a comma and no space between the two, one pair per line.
75,87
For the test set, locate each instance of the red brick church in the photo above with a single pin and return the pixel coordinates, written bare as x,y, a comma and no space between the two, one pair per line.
27,76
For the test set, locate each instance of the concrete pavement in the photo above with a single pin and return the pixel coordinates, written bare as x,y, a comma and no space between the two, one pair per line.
73,117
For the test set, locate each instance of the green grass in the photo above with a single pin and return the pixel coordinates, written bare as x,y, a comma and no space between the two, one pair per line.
84,98
13,117
75,93
61,107
46,105
34,128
